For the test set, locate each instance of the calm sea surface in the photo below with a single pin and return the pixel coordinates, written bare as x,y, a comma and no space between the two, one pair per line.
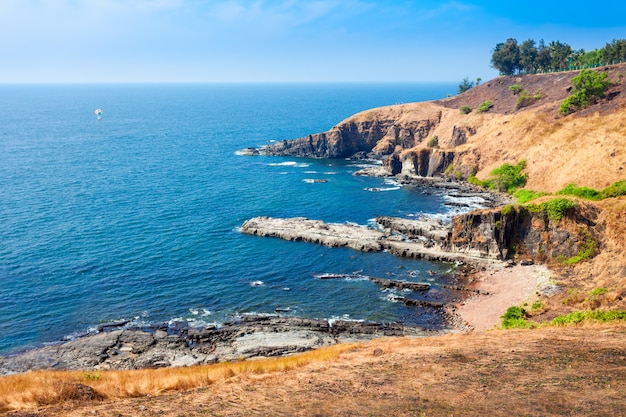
136,216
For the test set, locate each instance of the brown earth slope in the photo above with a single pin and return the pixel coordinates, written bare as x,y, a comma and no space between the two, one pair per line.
548,372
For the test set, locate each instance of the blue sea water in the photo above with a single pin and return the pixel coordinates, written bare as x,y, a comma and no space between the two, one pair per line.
136,216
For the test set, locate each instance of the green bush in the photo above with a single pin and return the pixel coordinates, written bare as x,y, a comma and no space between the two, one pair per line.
588,87
616,189
522,196
505,178
515,88
582,192
515,318
465,109
433,142
557,208
485,106
508,177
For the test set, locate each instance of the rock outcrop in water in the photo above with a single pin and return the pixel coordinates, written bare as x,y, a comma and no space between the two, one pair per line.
482,235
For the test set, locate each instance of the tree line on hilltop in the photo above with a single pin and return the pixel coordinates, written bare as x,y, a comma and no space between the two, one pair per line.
530,57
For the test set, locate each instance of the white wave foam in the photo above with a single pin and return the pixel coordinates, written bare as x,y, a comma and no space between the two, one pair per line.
283,164
289,164
202,312
379,189
257,283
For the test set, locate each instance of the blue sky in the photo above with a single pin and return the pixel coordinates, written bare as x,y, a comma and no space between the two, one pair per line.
60,41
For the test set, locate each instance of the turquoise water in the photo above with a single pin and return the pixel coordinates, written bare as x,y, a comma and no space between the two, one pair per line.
135,216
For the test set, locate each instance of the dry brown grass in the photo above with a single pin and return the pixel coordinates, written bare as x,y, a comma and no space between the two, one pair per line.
573,371
43,388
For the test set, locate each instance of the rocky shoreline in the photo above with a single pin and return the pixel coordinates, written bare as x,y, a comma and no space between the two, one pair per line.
165,346
118,346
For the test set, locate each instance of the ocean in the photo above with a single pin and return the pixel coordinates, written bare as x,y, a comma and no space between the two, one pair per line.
135,217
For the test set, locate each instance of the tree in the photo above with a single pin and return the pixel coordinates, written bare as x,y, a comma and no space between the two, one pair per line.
465,85
542,61
527,56
559,55
505,57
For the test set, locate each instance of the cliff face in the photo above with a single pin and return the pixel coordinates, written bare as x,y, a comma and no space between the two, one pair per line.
433,138
527,233
377,132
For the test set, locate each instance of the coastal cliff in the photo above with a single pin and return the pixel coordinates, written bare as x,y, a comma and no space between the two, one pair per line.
507,120
436,138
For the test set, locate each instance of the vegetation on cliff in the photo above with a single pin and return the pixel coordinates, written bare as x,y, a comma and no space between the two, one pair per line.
588,87
531,57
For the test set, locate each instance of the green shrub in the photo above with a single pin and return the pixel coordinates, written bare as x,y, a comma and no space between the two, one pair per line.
506,210
515,88
515,318
522,195
485,106
588,87
465,109
582,192
614,190
473,180
433,142
557,208
508,177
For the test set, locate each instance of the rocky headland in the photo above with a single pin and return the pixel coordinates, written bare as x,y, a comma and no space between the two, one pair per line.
431,144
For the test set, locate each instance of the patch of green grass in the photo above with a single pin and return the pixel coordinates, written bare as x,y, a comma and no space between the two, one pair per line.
523,196
485,106
595,315
616,189
582,192
515,88
596,292
433,142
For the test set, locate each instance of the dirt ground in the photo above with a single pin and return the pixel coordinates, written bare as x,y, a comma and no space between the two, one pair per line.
546,372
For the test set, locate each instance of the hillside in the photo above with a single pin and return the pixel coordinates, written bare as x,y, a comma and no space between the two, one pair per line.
587,148
548,372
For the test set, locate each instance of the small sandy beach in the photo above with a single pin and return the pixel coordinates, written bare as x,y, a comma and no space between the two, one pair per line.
506,287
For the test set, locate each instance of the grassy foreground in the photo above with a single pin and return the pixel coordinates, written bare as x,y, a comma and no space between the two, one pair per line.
574,371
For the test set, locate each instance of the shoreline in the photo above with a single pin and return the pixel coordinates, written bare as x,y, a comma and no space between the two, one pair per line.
117,347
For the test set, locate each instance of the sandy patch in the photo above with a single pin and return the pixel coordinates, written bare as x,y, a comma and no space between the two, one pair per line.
506,287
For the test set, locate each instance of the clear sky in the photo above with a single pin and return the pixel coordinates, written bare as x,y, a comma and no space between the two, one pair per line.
52,41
